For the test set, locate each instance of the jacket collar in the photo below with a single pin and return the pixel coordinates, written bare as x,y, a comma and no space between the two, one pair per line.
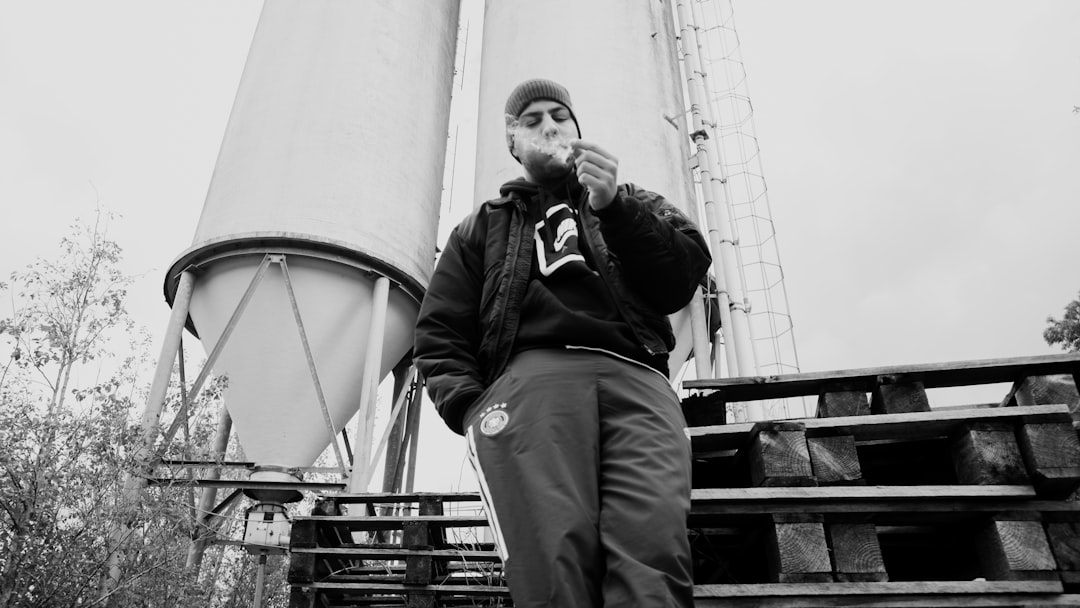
523,189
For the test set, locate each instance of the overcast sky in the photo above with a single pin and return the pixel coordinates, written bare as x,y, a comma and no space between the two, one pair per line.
922,157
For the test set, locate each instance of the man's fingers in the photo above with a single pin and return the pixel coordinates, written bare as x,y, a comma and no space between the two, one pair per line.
596,160
580,144
591,170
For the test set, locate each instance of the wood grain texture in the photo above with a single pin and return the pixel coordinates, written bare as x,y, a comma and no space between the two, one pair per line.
779,456
799,553
988,453
899,394
834,460
856,552
834,401
1015,550
1052,454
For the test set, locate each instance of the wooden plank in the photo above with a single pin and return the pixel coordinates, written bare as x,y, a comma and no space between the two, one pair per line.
1048,389
856,552
412,497
302,597
962,588
845,493
899,394
438,590
418,565
884,426
1052,453
959,594
1015,550
987,453
361,552
933,375
395,522
875,499
835,460
1065,543
798,552
841,400
778,455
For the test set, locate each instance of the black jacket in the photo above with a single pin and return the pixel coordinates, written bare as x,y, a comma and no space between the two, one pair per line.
647,251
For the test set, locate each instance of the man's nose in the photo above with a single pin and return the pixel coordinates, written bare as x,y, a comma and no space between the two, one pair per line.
548,127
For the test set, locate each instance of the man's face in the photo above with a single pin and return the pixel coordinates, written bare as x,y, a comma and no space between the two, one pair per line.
542,136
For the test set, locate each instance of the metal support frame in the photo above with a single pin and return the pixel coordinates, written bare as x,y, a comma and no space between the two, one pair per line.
135,481
145,454
204,512
380,300
280,259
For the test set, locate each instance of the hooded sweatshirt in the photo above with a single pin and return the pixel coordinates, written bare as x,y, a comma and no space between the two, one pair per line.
567,303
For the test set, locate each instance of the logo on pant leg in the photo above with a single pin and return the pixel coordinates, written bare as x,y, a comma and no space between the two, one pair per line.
494,420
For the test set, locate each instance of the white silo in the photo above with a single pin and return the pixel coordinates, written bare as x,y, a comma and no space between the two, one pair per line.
618,60
328,180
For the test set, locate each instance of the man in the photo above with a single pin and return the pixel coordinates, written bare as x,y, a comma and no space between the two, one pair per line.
543,338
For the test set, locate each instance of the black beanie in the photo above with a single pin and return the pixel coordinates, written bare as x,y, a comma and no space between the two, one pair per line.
531,90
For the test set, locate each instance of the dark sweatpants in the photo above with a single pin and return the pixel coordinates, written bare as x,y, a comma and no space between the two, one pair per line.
584,467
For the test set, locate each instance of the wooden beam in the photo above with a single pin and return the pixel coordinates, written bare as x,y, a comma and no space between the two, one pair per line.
884,426
933,375
987,453
1052,453
856,552
835,460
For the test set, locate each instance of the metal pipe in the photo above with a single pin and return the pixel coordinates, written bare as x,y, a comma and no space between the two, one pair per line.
402,374
395,415
209,494
260,581
150,424
729,285
700,330
412,435
380,298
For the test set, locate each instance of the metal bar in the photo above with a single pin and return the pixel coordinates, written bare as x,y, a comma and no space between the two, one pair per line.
260,581
412,434
246,485
699,328
184,408
348,446
202,516
311,363
223,505
150,424
209,463
196,387
155,402
402,385
394,415
185,403
380,299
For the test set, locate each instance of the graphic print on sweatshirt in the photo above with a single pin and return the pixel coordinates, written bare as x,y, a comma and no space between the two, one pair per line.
557,244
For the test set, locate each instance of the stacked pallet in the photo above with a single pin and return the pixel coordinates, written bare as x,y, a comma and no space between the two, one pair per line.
883,501
415,550
880,501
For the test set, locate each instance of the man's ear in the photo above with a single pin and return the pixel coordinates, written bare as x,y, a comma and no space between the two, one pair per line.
511,129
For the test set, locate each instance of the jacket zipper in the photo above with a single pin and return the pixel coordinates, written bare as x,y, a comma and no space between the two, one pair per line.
520,207
601,267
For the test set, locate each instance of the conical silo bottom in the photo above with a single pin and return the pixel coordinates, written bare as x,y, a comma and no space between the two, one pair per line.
269,389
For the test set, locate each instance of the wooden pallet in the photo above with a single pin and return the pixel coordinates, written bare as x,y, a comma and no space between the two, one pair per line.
891,504
392,550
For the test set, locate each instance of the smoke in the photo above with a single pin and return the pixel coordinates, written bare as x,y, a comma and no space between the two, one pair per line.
557,148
